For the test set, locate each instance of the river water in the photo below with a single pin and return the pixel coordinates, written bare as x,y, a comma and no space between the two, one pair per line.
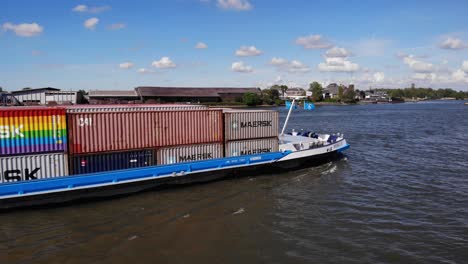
400,195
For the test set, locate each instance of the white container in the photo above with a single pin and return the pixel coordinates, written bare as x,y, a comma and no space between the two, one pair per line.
250,124
189,153
251,147
31,167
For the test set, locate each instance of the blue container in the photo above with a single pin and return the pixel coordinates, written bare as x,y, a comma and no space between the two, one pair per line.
89,163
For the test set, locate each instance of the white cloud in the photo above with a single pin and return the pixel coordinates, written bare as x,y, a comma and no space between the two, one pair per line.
240,67
338,52
246,51
336,61
278,61
368,78
239,5
24,30
91,23
116,26
297,66
460,76
80,8
293,66
143,70
164,63
313,42
379,76
453,43
338,65
201,45
93,10
465,66
372,47
126,65
424,76
418,65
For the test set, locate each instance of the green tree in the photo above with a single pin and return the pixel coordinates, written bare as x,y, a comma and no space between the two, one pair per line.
317,91
349,95
274,94
81,97
283,88
340,92
267,96
251,99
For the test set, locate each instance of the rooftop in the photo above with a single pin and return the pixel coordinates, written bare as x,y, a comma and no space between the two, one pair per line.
26,90
112,93
191,91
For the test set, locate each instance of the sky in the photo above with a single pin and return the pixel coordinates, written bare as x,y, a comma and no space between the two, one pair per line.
119,45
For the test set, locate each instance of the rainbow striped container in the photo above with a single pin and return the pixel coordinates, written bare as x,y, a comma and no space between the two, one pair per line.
29,130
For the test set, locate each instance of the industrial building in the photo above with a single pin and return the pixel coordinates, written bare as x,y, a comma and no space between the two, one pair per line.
157,94
113,97
45,96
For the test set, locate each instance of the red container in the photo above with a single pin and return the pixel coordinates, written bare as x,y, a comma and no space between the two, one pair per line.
114,131
132,108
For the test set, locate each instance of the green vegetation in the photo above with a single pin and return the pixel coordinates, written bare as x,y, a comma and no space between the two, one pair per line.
251,99
349,96
270,96
340,92
317,91
81,97
426,93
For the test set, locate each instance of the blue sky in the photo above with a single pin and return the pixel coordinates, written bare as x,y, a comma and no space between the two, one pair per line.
93,44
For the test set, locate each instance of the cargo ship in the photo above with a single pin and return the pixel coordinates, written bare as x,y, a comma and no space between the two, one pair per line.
52,155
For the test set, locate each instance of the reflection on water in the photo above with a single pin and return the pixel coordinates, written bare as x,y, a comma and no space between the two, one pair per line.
400,195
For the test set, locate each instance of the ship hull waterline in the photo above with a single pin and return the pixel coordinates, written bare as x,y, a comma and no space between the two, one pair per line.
18,196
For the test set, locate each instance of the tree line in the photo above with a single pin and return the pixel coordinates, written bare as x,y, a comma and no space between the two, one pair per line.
427,93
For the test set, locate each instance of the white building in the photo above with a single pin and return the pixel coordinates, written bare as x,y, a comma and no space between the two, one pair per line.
44,96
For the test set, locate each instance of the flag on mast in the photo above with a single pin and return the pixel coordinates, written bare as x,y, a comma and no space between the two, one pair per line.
308,105
289,103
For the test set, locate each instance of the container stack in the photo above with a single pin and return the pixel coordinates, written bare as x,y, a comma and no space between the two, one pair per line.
44,142
105,138
249,132
33,143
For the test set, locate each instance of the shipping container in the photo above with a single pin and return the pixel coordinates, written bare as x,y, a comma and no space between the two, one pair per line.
90,163
31,167
189,153
249,124
27,130
115,131
251,147
132,108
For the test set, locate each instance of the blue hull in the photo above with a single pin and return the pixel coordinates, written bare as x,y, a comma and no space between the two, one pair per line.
104,184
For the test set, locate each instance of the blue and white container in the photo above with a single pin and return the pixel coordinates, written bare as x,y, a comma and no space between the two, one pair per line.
189,153
99,162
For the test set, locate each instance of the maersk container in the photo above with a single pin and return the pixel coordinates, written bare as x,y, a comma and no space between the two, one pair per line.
116,131
189,153
249,124
89,163
31,167
27,130
251,147
132,108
